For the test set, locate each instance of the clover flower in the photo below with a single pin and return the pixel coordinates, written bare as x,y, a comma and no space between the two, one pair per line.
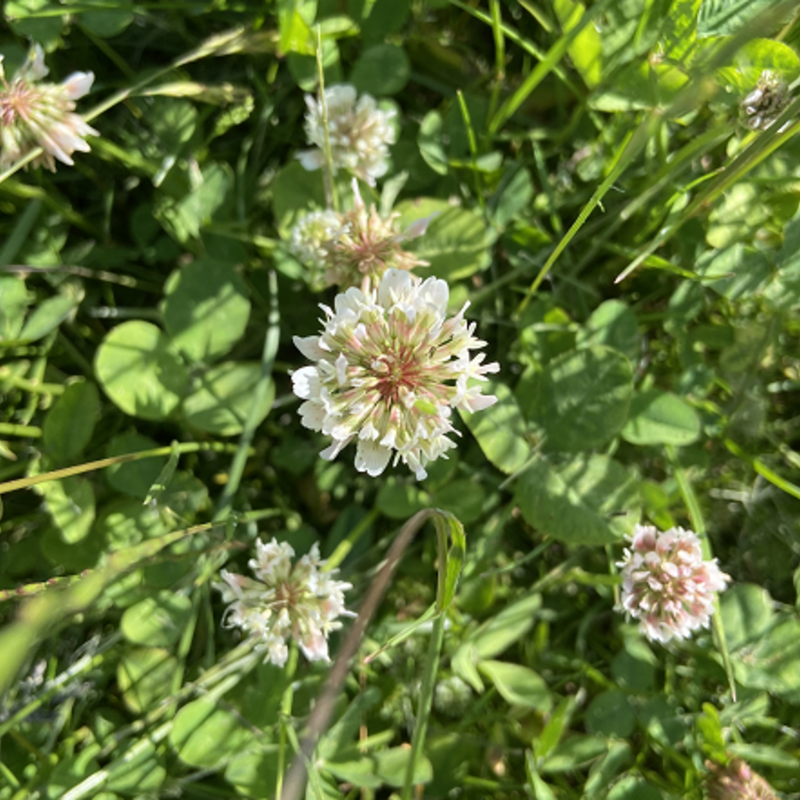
737,781
389,368
766,102
286,601
355,248
359,133
310,240
34,114
667,585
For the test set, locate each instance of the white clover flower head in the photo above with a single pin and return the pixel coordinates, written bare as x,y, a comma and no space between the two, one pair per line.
667,585
359,133
310,240
766,102
388,369
287,600
368,245
34,114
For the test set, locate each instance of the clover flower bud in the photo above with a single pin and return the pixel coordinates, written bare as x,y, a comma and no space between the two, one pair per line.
388,369
766,102
286,600
34,114
737,781
359,133
667,585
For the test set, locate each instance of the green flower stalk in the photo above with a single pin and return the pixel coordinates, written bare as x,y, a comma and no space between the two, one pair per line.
35,114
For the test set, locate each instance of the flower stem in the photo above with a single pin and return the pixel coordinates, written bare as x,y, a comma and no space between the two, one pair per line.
431,668
330,185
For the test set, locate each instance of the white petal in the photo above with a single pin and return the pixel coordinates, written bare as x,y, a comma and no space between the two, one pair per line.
309,346
78,84
306,383
372,457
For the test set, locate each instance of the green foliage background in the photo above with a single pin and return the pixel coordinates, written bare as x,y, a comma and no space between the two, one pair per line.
630,252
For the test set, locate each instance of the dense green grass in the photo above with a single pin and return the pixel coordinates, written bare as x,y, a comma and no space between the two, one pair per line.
620,211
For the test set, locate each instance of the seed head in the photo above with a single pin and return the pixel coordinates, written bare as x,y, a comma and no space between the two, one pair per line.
286,600
358,131
667,585
389,368
766,102
34,114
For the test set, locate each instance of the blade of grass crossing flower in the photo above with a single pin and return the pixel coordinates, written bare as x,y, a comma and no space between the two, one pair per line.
764,471
698,523
267,359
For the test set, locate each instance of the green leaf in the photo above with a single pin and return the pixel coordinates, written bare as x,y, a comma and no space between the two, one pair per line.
295,193
661,418
457,242
634,788
380,70
206,308
725,17
401,500
106,22
611,714
251,773
157,620
586,49
185,217
205,735
224,398
500,430
70,422
613,324
140,371
588,500
13,304
518,685
145,677
70,502
429,141
606,768
742,271
574,752
24,19
747,614
581,398
48,315
136,477
391,764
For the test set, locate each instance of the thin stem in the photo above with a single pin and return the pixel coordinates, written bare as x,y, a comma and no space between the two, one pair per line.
91,466
29,431
244,449
431,667
317,723
330,185
286,710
